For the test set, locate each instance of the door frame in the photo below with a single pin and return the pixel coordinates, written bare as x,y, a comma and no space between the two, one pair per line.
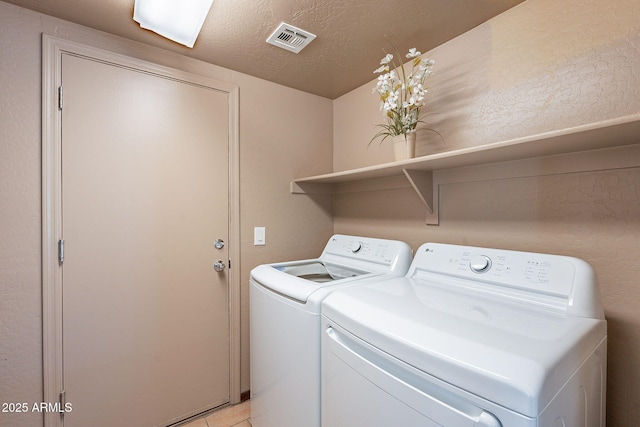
52,50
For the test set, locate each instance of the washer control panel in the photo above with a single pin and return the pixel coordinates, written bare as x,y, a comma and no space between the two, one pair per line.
368,253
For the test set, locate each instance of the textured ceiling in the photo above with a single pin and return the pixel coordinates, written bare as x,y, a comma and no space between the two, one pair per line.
351,34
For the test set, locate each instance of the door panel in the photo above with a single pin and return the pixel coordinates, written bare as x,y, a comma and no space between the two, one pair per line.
144,196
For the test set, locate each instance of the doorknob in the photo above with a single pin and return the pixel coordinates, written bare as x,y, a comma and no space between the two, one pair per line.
218,243
219,265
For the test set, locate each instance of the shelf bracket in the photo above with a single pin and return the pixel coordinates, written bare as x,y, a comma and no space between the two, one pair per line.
422,183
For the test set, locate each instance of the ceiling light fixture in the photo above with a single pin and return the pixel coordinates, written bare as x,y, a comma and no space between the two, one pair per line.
177,20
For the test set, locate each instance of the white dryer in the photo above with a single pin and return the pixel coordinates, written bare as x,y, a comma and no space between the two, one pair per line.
285,323
470,337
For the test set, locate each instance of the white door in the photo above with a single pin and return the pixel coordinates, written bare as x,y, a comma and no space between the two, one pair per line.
145,318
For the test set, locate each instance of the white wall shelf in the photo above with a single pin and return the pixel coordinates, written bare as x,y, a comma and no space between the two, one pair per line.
420,171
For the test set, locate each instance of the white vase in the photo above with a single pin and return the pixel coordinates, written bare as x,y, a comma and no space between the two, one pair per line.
404,148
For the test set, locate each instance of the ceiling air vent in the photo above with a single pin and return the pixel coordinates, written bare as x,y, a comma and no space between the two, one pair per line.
290,38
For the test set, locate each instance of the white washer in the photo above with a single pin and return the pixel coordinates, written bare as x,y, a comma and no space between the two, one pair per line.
470,337
285,323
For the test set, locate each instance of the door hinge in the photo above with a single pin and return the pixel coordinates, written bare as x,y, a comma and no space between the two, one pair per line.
60,98
229,264
60,251
63,401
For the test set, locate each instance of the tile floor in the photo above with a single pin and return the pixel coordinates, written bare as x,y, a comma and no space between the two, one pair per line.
231,416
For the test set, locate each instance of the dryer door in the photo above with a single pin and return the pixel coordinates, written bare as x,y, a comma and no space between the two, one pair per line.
388,391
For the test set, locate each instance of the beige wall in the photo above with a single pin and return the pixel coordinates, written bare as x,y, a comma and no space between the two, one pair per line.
540,66
274,148
543,65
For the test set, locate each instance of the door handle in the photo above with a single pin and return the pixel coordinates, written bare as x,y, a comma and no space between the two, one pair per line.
218,243
219,265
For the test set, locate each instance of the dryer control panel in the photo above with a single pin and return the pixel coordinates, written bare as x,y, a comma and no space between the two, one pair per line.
545,278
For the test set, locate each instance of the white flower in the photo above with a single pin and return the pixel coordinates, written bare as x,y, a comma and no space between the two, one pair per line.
387,59
413,53
382,69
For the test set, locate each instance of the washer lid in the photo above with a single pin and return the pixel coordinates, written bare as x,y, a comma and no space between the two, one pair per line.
299,279
344,259
509,353
319,272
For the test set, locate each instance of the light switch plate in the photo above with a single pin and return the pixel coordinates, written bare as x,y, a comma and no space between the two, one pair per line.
259,236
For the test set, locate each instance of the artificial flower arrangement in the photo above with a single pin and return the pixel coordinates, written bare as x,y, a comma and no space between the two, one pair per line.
402,95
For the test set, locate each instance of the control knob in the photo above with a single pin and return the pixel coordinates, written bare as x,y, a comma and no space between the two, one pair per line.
356,247
480,264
